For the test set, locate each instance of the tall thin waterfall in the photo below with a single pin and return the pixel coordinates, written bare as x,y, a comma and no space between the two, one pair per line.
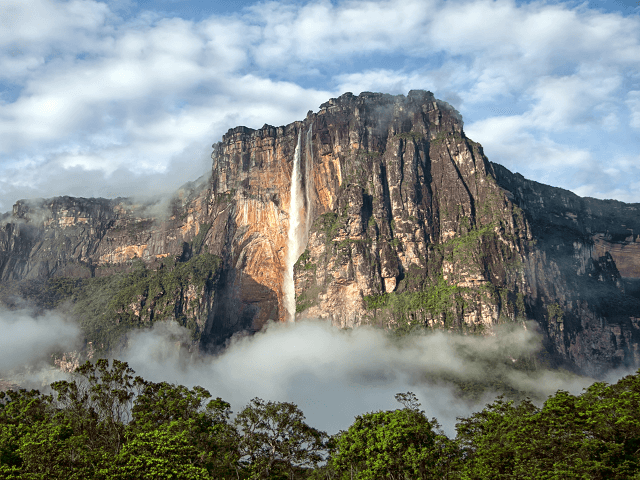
293,237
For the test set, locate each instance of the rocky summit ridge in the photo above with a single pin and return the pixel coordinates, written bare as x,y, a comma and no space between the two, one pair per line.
401,222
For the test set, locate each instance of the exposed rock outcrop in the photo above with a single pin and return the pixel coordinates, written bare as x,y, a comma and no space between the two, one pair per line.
405,223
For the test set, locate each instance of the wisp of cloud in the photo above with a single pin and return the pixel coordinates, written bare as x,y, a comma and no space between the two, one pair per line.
334,375
27,339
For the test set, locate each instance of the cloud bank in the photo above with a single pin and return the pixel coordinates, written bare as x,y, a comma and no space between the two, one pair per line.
334,375
113,99
27,340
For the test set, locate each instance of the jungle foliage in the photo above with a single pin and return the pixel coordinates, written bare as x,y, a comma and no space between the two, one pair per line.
106,423
105,306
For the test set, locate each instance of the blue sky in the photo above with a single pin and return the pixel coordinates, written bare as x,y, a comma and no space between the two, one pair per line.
126,98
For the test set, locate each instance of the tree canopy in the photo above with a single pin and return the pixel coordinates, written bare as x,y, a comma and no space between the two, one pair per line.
106,423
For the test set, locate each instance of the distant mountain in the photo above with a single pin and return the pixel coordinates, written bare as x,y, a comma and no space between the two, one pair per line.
399,221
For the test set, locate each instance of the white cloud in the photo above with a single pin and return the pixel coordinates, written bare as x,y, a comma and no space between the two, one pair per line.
570,102
633,103
618,178
507,141
37,31
602,192
321,31
387,81
27,339
97,92
333,375
42,21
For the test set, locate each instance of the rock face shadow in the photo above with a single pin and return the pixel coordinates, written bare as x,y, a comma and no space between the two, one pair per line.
242,306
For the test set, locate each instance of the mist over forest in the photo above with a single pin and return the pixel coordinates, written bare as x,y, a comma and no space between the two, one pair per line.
332,414
331,374
405,254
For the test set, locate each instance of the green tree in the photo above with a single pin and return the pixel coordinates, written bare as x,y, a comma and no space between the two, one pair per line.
21,412
206,426
166,452
393,445
275,440
98,401
492,440
162,403
98,427
613,420
595,435
38,441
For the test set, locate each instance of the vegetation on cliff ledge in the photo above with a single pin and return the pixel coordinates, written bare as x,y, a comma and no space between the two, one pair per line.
439,301
108,307
421,301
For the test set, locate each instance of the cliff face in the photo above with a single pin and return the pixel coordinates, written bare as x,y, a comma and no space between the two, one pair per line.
398,220
426,231
419,232
584,268
120,265
83,237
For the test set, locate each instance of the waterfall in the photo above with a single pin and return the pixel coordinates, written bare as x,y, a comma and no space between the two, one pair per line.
293,237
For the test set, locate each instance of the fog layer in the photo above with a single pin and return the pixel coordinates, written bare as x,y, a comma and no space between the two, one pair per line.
26,339
334,375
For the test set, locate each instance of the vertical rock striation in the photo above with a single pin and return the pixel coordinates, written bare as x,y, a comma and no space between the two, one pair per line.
401,222
414,227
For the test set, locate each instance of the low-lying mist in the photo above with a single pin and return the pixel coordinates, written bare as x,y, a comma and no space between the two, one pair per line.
331,374
334,375
26,338
27,342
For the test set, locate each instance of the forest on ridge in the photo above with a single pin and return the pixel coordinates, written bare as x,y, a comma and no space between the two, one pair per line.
107,423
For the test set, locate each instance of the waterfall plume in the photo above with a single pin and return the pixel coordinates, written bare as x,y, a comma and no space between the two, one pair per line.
293,237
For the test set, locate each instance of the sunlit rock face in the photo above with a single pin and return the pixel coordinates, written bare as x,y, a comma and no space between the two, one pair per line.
402,222
414,208
418,227
407,222
251,182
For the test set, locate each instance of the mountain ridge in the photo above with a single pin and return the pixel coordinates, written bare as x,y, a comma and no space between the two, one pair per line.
404,223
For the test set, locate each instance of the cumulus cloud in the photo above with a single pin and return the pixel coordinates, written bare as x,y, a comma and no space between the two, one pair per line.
333,375
40,27
507,137
382,80
321,30
27,339
90,90
618,179
633,102
572,101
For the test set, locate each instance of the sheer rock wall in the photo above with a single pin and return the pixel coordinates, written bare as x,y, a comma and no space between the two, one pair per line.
405,223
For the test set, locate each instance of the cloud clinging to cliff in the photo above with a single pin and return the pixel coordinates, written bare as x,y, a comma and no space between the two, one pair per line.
333,375
26,339
119,98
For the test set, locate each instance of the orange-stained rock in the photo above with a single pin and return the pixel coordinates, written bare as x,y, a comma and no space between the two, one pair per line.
405,223
626,254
